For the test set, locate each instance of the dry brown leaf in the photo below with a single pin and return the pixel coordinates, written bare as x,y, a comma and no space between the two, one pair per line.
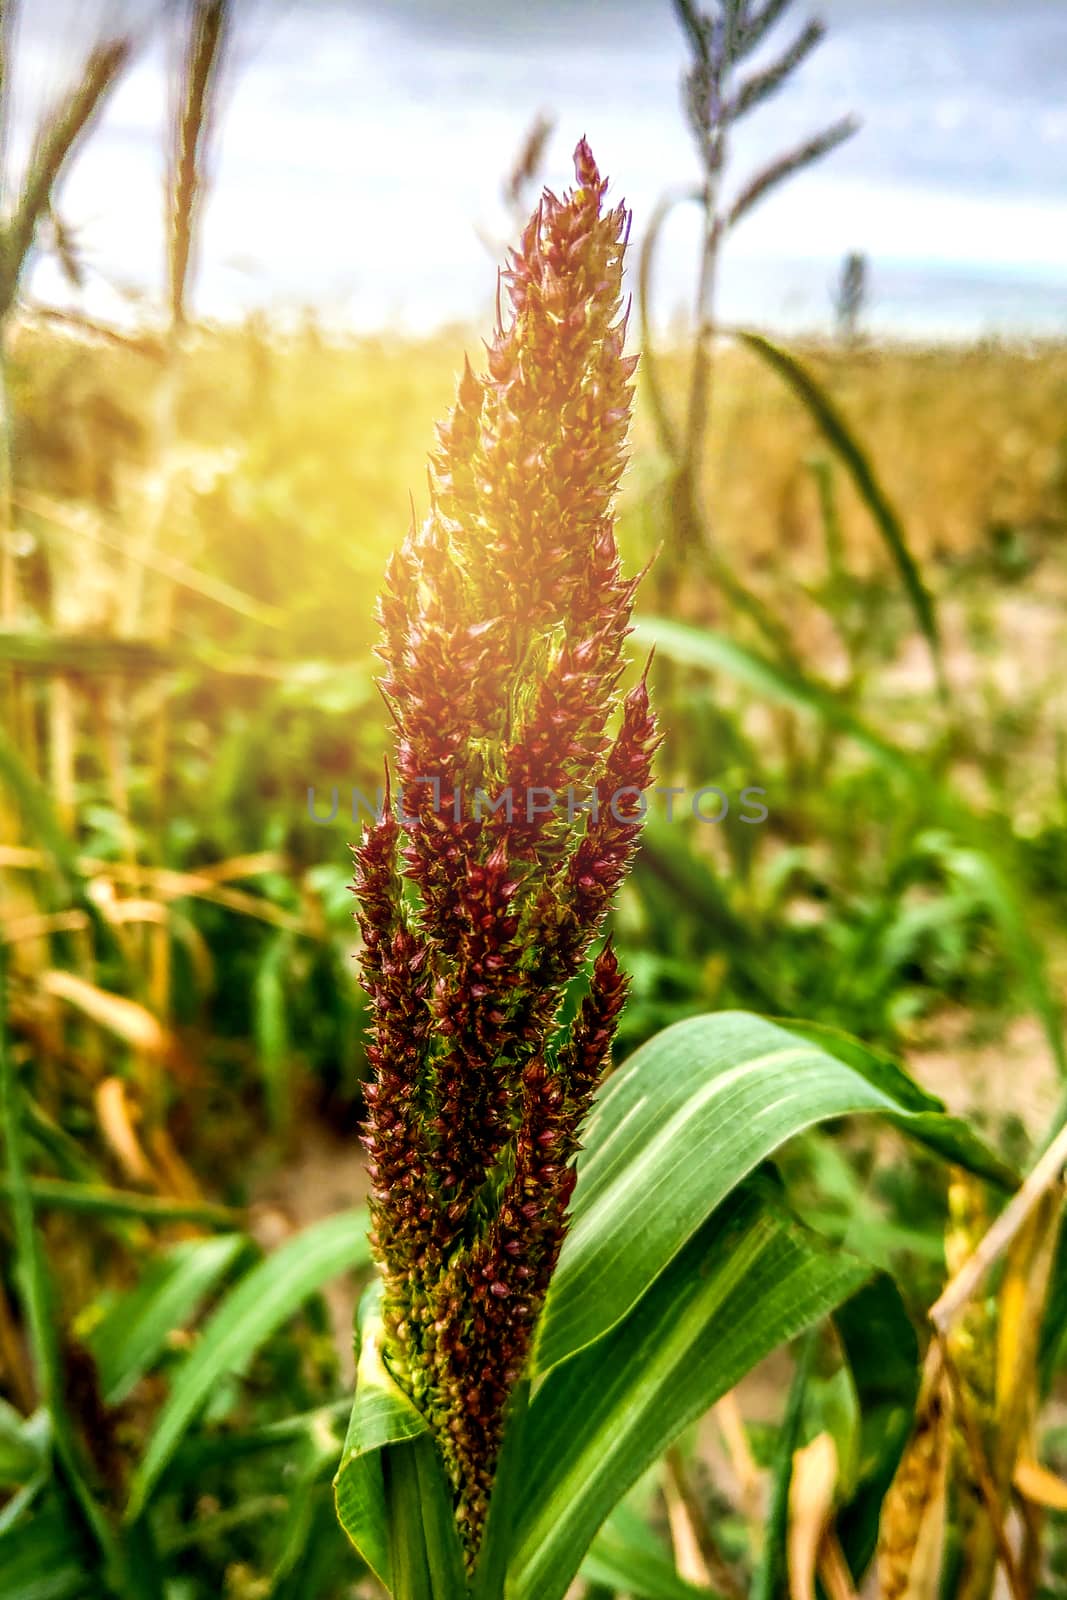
1040,1486
811,1503
40,923
116,910
833,1569
124,1018
688,1561
177,1177
116,1123
749,1477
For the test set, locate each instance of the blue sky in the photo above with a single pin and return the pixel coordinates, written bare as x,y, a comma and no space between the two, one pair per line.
363,145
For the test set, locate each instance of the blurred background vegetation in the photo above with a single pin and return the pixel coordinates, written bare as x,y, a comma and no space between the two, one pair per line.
859,601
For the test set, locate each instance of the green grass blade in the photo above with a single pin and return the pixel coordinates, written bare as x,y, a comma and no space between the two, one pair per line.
97,1200
33,1282
263,1300
272,1029
1052,1350
41,822
36,1294
130,1338
924,1117
42,1558
843,442
980,870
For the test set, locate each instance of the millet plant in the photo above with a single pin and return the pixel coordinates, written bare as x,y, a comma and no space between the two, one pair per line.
574,1264
504,623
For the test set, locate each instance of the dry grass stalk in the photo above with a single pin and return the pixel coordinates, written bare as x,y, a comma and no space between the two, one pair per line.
972,1343
55,142
527,165
116,1124
697,1555
1045,1175
207,884
985,1475
834,1573
208,28
132,1023
751,1480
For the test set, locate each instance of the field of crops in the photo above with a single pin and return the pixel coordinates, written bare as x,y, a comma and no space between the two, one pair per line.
687,1147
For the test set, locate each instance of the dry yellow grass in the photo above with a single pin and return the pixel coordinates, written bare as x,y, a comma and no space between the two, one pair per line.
963,439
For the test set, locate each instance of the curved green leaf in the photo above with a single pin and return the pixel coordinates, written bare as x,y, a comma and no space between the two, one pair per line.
844,443
1053,1346
264,1299
390,1493
925,1118
747,1280
676,1128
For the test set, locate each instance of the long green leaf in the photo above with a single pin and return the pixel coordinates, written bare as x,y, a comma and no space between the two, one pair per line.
846,446
264,1299
42,823
1053,1346
675,1130
749,1279
716,652
134,1332
390,1493
409,1571
425,1512
33,1279
923,1116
